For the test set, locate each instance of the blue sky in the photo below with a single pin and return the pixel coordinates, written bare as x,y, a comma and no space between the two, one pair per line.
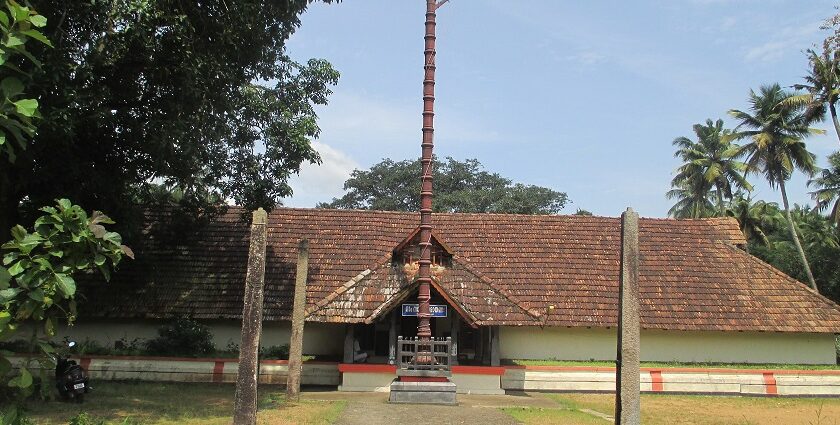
584,97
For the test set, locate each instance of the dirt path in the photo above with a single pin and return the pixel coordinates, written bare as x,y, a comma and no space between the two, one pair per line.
374,409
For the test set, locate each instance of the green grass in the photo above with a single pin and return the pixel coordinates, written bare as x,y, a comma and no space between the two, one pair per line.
605,363
694,410
134,403
539,416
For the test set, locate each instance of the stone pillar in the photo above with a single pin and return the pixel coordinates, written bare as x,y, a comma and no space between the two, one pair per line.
495,360
455,329
348,344
245,399
480,352
296,343
392,339
627,403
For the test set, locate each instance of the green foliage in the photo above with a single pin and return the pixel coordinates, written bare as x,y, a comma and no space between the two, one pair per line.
275,352
827,195
820,240
756,219
85,419
38,266
18,24
458,186
37,283
776,129
184,338
199,96
709,163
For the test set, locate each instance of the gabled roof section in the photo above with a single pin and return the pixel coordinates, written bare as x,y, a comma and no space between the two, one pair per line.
375,292
414,233
691,278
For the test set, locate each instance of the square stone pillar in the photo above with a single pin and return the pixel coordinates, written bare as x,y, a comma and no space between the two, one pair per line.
349,349
495,354
627,400
454,331
245,396
392,339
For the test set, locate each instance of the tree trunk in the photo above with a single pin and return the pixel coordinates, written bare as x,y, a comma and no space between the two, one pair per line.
833,111
795,236
720,200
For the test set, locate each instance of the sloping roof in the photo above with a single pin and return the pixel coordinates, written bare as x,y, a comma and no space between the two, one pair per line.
372,293
692,275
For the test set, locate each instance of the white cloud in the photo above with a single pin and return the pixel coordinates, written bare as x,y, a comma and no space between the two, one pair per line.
790,38
587,58
321,183
768,52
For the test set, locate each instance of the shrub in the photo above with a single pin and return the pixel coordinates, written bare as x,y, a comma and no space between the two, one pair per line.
84,419
276,352
183,337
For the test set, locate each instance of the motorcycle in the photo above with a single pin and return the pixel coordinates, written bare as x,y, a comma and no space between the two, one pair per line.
70,378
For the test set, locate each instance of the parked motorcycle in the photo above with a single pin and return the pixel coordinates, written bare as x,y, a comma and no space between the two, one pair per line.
70,378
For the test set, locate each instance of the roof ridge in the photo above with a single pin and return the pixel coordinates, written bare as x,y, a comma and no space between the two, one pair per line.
785,277
503,292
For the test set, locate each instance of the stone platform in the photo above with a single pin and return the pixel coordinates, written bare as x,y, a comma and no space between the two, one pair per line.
423,387
423,392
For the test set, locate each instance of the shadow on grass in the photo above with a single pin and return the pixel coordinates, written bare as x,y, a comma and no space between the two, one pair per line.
172,403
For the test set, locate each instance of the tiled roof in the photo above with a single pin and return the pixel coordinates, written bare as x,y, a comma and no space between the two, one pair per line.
508,269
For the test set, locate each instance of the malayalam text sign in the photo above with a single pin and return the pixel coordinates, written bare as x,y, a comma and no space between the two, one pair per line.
435,310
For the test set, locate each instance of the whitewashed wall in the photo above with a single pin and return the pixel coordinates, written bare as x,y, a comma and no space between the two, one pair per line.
318,338
735,347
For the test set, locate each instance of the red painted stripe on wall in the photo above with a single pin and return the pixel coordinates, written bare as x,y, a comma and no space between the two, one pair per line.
656,383
218,371
770,384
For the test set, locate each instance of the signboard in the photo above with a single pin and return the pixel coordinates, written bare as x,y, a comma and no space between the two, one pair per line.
435,310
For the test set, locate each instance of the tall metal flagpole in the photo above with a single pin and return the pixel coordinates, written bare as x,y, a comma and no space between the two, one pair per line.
424,276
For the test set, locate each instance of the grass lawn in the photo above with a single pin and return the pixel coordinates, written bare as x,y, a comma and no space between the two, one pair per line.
695,410
132,403
604,363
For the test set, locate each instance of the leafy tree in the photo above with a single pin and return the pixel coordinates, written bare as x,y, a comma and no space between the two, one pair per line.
37,284
710,162
18,25
827,183
198,95
820,239
459,187
775,130
581,211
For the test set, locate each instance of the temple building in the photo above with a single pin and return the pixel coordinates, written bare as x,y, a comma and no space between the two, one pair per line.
504,287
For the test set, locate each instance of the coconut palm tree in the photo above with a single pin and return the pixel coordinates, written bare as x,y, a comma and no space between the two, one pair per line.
828,188
822,85
713,158
814,229
756,219
693,199
776,130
